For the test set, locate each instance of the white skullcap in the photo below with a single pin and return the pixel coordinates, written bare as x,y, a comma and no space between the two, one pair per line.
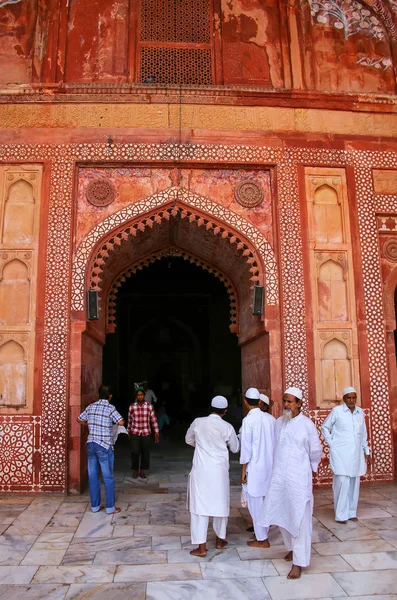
264,399
294,391
348,390
252,394
219,402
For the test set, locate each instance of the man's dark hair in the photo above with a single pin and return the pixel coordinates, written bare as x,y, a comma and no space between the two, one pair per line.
104,392
217,411
252,401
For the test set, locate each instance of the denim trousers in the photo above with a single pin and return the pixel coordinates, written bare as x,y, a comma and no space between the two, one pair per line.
101,460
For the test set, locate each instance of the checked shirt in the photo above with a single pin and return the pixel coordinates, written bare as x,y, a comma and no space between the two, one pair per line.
100,417
139,419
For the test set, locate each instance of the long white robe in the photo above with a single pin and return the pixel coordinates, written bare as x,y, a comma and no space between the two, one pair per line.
257,448
209,485
345,433
297,453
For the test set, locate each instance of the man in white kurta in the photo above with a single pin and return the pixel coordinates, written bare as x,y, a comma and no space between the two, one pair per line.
264,403
345,432
208,485
256,458
289,500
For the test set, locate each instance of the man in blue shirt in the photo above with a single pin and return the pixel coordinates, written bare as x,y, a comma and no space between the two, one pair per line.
100,417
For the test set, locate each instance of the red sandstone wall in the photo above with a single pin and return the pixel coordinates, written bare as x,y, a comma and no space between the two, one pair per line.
273,44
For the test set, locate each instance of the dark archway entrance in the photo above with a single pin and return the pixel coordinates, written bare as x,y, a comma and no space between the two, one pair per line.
172,328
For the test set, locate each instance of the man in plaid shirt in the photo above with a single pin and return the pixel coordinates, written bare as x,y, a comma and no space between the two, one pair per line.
100,418
141,417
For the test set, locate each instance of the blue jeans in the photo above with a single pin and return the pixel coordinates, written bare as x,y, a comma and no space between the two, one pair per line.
101,459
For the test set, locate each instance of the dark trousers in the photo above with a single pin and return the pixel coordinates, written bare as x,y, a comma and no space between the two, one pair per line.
140,447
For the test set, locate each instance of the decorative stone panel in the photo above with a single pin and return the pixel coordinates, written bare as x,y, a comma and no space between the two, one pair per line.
62,160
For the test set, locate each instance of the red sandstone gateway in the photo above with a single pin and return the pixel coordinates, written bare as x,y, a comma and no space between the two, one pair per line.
171,156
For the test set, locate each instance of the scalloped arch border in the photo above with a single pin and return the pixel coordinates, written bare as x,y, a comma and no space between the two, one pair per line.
233,224
170,251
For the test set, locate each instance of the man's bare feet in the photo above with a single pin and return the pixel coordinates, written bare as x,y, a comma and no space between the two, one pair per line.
353,519
259,544
201,550
135,475
219,544
142,474
341,522
295,572
288,556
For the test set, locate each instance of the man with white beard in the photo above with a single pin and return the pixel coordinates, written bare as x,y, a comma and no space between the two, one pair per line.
345,432
289,500
256,459
208,485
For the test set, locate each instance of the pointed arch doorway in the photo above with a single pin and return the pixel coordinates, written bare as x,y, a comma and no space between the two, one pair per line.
173,327
176,228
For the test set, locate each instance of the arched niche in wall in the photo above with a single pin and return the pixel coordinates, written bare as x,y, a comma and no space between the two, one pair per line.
327,212
14,293
12,375
332,292
335,369
18,222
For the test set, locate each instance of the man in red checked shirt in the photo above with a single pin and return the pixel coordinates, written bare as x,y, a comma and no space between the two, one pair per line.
141,417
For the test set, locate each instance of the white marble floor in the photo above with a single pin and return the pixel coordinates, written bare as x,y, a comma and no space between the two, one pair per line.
54,547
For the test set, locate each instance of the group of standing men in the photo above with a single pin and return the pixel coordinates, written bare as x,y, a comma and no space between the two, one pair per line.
277,460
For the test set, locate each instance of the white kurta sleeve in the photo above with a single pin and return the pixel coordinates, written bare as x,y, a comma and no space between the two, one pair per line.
232,442
364,441
246,443
326,427
315,448
190,437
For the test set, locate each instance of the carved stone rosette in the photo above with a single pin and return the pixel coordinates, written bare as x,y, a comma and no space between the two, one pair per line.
249,194
390,250
100,192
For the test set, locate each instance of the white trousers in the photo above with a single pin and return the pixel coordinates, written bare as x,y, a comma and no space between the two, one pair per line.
255,505
346,491
199,527
301,545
